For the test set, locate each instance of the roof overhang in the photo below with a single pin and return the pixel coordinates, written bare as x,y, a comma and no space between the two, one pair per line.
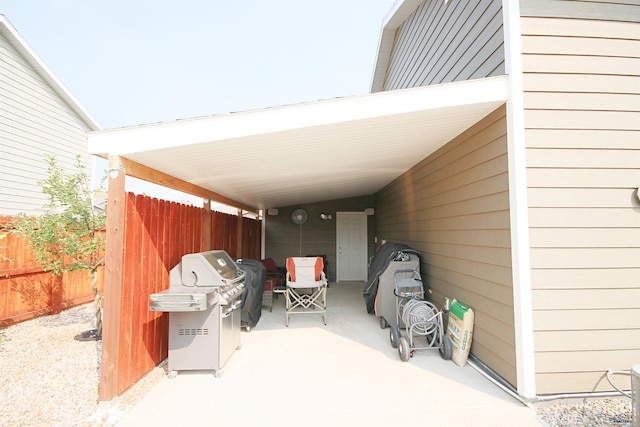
309,152
19,44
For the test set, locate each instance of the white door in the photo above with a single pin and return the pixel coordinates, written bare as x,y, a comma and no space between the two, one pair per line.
351,246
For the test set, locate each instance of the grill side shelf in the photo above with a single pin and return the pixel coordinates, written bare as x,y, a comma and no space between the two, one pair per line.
181,301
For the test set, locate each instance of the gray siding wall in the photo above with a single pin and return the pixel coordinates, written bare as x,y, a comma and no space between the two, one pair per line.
442,43
34,121
582,118
454,207
282,236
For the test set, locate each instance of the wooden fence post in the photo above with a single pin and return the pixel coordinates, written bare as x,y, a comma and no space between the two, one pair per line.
240,235
206,227
56,293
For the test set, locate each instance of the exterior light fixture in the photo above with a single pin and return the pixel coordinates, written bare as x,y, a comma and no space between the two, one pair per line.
115,168
114,173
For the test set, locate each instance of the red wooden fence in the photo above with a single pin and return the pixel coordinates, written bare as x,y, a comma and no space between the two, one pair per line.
157,234
27,291
251,239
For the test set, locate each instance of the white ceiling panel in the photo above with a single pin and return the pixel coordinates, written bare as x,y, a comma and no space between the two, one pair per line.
309,152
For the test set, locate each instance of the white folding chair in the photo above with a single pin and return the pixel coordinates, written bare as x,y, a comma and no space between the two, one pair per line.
306,287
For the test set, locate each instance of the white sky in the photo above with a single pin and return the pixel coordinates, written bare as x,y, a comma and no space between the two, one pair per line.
131,62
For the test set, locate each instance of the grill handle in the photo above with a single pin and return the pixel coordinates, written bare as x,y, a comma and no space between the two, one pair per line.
174,305
228,310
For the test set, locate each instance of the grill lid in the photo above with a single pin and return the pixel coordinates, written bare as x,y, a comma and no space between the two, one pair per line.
212,268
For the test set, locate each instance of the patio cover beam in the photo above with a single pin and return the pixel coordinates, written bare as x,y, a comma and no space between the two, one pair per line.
154,176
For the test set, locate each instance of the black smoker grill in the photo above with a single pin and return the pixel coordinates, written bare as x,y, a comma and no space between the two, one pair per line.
203,301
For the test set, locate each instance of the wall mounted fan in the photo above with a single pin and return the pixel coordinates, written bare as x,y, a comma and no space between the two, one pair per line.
299,217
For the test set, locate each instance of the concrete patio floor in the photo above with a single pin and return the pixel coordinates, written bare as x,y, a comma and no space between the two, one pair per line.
346,372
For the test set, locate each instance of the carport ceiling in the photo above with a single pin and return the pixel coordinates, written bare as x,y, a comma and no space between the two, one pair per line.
309,152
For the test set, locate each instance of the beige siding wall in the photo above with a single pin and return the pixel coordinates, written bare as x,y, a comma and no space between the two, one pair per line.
454,207
34,121
582,101
446,42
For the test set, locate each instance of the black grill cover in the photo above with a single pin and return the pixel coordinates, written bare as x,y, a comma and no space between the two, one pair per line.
383,256
255,278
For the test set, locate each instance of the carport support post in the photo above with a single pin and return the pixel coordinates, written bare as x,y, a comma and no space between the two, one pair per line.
114,259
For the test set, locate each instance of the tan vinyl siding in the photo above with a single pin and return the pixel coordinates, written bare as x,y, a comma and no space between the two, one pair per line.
34,121
446,42
453,206
582,118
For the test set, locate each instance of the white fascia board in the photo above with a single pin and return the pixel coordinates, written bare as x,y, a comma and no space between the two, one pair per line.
383,55
519,212
252,123
396,16
21,45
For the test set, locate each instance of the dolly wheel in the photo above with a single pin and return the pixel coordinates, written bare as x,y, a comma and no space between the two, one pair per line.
394,336
446,349
403,349
383,323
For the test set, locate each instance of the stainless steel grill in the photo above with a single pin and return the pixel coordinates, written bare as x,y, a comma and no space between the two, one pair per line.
203,301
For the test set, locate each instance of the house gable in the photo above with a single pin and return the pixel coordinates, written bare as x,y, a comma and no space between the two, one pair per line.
440,42
39,117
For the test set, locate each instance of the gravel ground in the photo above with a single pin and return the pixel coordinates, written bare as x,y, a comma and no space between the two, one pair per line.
607,412
51,379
